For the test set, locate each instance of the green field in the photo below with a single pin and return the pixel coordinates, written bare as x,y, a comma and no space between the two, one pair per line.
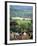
22,26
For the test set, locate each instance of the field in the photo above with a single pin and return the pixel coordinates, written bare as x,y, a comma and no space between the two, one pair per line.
21,29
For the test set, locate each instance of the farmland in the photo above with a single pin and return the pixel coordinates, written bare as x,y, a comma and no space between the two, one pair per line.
21,26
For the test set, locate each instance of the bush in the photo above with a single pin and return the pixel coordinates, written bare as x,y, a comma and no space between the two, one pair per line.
22,25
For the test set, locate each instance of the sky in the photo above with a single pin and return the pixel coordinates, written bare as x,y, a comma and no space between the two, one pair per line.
21,7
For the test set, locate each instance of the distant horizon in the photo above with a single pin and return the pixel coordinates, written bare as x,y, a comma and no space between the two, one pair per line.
23,11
